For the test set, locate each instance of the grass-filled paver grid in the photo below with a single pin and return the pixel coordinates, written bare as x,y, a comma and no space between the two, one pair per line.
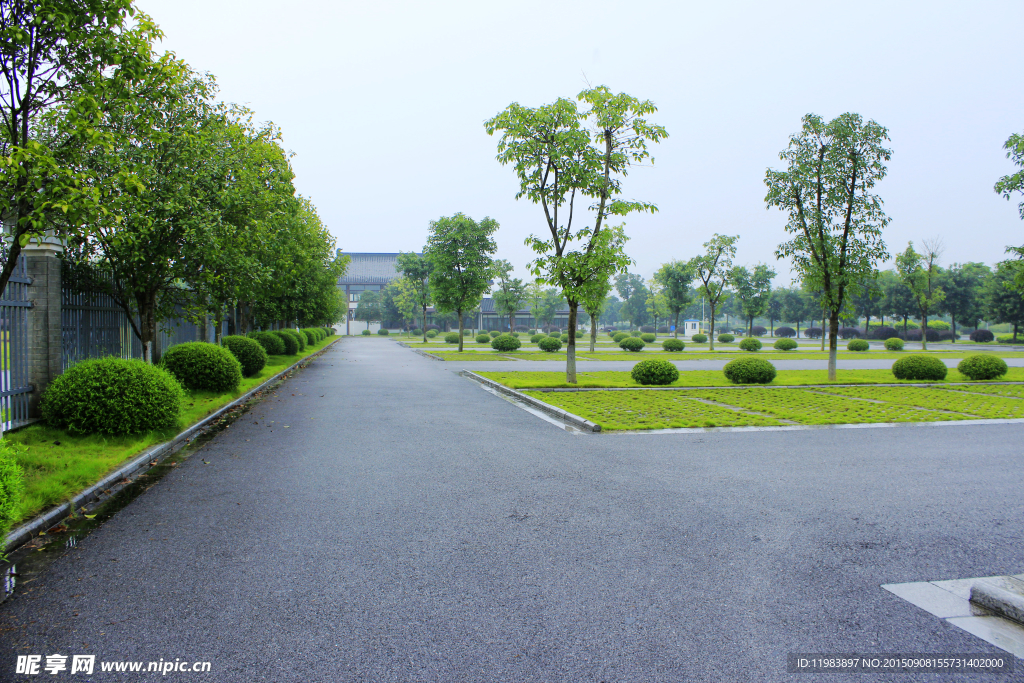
618,410
978,404
1013,390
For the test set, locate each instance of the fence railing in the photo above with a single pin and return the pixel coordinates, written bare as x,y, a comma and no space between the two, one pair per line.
15,389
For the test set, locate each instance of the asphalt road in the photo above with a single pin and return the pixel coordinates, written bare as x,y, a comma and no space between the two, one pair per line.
383,519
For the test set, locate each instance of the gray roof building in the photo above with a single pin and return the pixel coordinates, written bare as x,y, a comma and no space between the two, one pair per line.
370,269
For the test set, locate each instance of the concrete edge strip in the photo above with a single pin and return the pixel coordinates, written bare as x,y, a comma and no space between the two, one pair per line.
565,416
420,352
941,385
50,518
1002,602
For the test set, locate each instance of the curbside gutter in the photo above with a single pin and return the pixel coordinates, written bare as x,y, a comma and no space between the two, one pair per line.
144,461
565,416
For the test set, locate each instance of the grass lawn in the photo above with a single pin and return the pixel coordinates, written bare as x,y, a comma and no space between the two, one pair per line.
715,378
767,406
58,465
481,352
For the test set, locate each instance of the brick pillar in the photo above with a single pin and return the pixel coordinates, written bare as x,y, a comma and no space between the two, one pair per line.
42,263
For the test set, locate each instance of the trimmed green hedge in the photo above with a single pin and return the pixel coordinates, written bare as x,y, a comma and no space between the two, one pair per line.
115,396
483,338
654,372
857,345
505,342
619,336
750,344
726,338
749,370
648,338
202,366
249,353
549,344
920,367
537,337
301,338
431,334
631,344
699,339
271,343
383,332
785,344
291,344
894,344
451,338
982,366
673,345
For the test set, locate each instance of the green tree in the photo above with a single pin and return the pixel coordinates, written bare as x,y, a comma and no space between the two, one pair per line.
713,269
795,306
511,293
866,299
461,250
675,278
610,310
404,297
594,300
633,290
1003,302
369,308
1009,184
753,291
559,161
774,310
897,299
921,273
963,284
835,220
417,270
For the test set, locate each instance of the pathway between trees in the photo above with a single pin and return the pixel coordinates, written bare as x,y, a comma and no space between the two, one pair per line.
382,519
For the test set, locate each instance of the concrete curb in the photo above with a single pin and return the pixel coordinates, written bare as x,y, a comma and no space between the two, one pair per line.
422,353
565,416
1003,602
151,457
777,386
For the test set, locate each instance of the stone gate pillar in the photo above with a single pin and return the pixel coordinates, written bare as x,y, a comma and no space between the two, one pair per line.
43,266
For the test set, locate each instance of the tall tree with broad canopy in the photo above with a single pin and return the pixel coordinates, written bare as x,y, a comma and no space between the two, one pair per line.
461,250
963,284
511,293
713,269
559,161
921,274
1003,302
1009,184
417,269
633,290
835,220
675,278
76,56
753,291
369,309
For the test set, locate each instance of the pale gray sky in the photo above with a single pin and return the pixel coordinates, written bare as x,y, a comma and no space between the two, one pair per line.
383,104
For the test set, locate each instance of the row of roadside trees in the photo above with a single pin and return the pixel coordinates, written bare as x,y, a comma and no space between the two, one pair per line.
169,201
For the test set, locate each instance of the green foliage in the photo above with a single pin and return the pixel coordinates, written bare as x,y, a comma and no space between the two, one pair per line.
753,289
308,337
432,333
549,344
383,332
271,343
673,345
417,332
726,338
919,367
749,370
116,397
365,333
982,366
894,344
249,353
201,366
291,344
300,339
648,337
654,372
483,338
699,339
564,338
494,333
750,344
713,269
555,335
505,342
631,344
619,336
452,338
12,489
537,337
785,344
858,345
635,333
1009,184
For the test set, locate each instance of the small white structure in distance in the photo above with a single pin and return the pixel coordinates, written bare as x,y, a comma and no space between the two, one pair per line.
689,327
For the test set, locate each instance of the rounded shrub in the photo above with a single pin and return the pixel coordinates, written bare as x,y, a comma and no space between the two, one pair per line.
536,338
857,345
579,334
483,338
12,489
202,366
750,344
555,334
653,371
785,332
300,339
417,332
785,344
433,327
314,335
505,342
673,345
494,333
920,367
564,339
291,346
382,332
115,396
749,370
549,344
982,366
884,332
451,338
631,344
983,336
726,338
431,333
466,332
758,331
894,344
270,342
516,335
700,339
646,328
365,333
635,333
248,352
813,333
849,333
648,337
619,336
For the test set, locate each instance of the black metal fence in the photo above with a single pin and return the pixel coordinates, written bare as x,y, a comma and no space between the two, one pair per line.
15,389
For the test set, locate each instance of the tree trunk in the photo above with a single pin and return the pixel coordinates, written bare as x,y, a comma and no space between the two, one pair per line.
711,331
675,331
203,333
511,322
424,324
924,332
461,323
953,338
797,329
146,302
833,345
593,333
570,349
867,321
